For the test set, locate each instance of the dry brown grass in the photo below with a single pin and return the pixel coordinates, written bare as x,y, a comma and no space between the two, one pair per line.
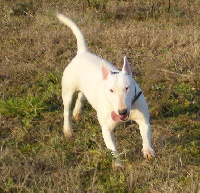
162,44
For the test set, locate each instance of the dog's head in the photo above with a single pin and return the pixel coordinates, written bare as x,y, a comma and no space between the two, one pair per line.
119,90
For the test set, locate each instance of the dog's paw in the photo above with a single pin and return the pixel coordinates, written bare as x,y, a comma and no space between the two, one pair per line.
116,162
76,114
117,165
68,133
148,153
76,117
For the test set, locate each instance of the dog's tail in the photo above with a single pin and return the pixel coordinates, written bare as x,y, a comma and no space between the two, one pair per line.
81,43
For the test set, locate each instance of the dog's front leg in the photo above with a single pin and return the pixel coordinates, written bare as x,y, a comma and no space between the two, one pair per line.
145,131
109,140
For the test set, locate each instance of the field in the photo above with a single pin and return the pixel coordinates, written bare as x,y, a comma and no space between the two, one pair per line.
162,42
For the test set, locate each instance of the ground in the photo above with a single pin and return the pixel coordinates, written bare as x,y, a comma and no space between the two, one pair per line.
162,42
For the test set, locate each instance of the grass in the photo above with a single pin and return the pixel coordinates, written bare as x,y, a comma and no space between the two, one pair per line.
161,40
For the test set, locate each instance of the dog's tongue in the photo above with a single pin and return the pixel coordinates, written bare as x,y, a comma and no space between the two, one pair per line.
117,117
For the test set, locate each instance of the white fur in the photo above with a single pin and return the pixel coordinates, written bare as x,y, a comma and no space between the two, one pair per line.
92,76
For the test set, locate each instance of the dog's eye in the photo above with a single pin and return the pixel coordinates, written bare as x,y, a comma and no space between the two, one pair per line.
111,90
127,88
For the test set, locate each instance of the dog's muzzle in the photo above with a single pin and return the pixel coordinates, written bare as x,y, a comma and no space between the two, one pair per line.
116,117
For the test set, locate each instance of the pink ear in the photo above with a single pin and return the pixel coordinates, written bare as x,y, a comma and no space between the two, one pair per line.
126,67
105,71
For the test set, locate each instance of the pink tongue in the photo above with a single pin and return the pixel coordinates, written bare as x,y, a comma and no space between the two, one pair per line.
117,118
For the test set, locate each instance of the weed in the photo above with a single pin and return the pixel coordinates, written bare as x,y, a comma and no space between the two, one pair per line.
161,40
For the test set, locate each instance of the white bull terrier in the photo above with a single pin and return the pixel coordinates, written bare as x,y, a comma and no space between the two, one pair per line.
114,94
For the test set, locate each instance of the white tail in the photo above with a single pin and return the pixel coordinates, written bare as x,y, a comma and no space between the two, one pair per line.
81,44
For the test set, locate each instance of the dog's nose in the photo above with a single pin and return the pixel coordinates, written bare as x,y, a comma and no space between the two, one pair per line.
122,112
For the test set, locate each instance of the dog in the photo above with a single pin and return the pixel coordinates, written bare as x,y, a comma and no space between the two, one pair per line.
114,94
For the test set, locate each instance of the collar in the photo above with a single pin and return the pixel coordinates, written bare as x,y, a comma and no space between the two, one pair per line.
136,97
115,72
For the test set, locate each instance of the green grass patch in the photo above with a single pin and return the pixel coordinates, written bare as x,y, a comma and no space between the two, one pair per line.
161,41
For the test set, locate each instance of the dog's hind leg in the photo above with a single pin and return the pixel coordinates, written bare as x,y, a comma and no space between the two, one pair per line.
67,100
78,106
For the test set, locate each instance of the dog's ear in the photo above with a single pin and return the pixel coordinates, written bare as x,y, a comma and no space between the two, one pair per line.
105,71
126,67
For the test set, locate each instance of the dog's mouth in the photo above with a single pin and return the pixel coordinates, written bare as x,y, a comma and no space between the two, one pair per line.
116,117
